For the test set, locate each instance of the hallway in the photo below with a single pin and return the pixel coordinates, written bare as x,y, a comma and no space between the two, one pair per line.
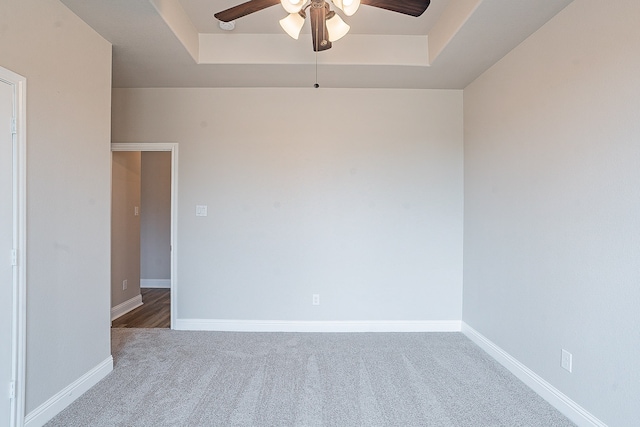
155,312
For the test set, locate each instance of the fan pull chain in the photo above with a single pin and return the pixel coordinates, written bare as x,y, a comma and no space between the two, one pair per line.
316,85
316,48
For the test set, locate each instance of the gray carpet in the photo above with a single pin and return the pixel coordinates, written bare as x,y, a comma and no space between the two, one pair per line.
179,378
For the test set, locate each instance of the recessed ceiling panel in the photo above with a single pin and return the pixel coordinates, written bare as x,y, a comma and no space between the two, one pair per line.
150,50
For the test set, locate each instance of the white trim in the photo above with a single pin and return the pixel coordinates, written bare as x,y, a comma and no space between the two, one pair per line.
548,392
317,326
143,146
52,407
173,147
155,283
125,307
18,352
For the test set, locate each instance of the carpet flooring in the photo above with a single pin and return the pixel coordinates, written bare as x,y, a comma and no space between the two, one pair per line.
180,378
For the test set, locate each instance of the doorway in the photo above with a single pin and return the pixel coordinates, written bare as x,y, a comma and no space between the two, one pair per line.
154,278
12,246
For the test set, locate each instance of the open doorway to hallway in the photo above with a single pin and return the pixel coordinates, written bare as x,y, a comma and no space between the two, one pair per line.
143,230
154,313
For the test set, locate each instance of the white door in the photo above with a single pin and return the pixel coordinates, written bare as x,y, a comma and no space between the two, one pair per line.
7,284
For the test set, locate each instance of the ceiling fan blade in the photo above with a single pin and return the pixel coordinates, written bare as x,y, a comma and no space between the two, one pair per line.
407,7
319,33
244,9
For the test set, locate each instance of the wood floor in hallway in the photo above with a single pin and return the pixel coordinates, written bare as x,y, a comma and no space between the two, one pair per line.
155,311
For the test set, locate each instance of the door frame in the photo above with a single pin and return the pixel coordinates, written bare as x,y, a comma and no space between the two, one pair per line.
173,148
18,344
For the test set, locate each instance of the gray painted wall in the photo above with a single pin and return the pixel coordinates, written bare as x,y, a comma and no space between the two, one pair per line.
68,71
125,226
352,194
155,218
552,205
368,207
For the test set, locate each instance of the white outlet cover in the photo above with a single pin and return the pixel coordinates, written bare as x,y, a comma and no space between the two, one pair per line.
567,360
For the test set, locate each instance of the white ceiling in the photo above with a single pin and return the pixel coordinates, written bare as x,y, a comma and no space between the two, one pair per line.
177,43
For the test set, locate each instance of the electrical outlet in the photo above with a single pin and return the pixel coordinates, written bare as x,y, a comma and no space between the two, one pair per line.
124,285
315,300
567,360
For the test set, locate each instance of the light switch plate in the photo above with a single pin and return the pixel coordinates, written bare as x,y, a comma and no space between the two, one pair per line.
201,210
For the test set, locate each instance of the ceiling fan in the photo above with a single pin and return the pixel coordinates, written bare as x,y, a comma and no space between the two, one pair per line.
326,24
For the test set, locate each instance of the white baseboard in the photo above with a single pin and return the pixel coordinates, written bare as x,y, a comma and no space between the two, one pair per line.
52,407
155,283
555,397
126,307
316,326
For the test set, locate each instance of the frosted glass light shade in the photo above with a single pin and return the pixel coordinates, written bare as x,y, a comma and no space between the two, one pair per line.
292,24
337,28
349,7
292,6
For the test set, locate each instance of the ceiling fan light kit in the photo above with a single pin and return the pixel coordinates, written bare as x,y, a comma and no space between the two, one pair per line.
292,6
292,24
336,27
326,24
349,7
